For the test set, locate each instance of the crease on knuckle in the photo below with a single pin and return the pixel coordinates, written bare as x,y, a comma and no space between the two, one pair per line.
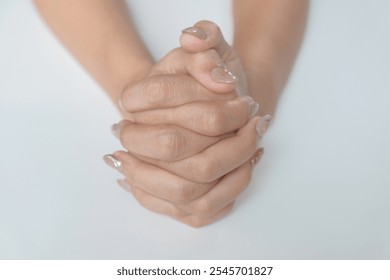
160,90
204,208
205,170
212,121
194,221
182,194
171,143
174,212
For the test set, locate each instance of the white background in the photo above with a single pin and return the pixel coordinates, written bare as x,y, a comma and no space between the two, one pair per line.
322,190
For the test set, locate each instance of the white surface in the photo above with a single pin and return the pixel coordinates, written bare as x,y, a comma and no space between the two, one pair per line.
321,191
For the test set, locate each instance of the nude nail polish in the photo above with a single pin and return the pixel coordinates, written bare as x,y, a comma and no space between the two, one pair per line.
111,161
267,119
221,74
124,184
115,130
263,125
253,106
256,158
199,33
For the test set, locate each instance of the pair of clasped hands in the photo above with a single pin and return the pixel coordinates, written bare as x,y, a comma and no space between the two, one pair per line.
190,131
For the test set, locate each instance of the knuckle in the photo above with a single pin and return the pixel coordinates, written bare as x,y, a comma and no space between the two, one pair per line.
155,90
187,192
196,222
182,194
160,90
205,170
171,143
213,121
204,208
173,212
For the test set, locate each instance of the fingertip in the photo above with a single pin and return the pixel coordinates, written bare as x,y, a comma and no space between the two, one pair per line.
120,155
257,157
222,88
193,44
221,74
208,69
197,32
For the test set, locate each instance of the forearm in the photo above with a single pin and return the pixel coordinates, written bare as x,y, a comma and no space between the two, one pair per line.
101,36
267,37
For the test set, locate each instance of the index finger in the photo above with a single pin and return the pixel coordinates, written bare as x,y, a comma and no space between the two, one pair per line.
166,91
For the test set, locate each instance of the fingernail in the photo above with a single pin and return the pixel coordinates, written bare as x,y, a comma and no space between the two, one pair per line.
267,119
199,33
123,183
253,106
115,130
256,158
221,74
263,125
111,161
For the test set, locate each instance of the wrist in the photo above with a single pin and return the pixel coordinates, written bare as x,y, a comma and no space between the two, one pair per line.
263,85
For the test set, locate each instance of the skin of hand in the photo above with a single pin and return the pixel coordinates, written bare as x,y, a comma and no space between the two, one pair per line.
267,37
174,111
195,189
102,37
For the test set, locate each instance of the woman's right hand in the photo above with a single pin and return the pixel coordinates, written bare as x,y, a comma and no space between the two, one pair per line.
181,166
190,97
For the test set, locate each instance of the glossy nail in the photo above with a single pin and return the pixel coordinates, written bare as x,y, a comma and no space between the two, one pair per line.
123,183
115,130
199,33
253,106
221,74
256,158
263,125
111,161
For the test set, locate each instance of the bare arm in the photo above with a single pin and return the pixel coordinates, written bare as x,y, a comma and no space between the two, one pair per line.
101,36
268,34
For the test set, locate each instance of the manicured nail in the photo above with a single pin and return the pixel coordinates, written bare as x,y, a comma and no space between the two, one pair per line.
268,119
221,74
263,125
253,106
199,33
256,158
115,130
113,162
123,183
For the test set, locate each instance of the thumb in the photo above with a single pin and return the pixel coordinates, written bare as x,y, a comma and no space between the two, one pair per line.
206,35
206,67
